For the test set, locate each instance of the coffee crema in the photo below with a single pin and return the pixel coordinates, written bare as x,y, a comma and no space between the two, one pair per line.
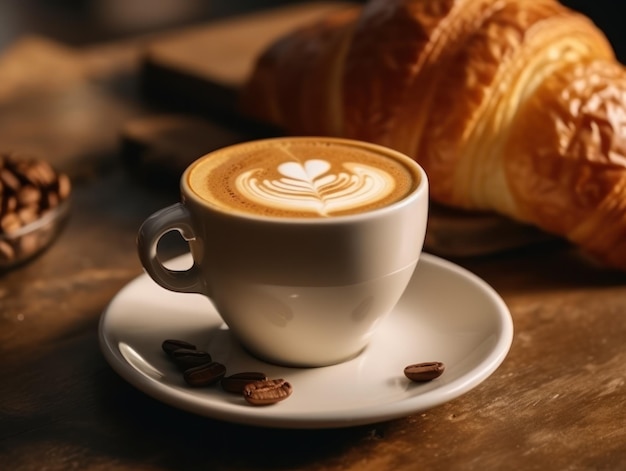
301,177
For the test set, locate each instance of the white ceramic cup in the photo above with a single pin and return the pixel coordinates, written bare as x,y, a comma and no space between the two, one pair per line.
295,291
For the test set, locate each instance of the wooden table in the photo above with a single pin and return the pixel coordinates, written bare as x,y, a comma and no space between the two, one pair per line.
557,401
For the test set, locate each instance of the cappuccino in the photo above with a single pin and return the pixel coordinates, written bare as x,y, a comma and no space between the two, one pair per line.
302,244
301,177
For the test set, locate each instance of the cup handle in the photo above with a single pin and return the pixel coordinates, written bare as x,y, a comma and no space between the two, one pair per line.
172,218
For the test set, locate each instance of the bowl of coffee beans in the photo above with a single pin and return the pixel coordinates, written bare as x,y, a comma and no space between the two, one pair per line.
34,206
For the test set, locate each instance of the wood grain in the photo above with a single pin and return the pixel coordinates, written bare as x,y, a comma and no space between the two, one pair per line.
556,402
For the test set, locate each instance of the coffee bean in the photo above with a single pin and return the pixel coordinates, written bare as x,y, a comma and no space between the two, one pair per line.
28,195
9,179
422,372
63,186
38,172
235,383
186,358
253,385
204,375
264,393
10,204
28,214
27,244
170,345
10,222
7,251
29,187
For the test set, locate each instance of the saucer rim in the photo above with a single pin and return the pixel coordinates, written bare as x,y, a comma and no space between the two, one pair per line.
264,417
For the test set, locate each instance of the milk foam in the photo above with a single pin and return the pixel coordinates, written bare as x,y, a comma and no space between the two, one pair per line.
300,177
310,186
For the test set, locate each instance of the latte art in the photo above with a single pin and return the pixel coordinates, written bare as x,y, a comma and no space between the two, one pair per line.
301,177
309,186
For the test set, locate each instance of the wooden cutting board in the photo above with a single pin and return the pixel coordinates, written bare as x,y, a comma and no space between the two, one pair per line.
201,71
203,68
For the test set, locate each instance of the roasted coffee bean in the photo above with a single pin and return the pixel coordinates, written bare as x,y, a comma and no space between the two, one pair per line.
29,187
7,252
63,186
38,172
27,244
170,345
422,372
28,214
186,358
51,199
10,223
264,393
10,204
10,180
28,195
236,382
204,375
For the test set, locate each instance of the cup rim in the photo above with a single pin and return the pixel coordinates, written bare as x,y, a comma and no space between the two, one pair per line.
418,191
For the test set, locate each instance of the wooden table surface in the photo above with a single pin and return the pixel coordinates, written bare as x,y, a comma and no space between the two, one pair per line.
558,401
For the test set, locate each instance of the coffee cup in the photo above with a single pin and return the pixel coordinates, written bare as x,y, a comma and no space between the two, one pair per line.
302,244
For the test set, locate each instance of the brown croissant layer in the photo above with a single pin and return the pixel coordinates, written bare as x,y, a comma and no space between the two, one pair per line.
514,106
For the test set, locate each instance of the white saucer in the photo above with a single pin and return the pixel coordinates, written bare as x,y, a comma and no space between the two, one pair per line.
447,314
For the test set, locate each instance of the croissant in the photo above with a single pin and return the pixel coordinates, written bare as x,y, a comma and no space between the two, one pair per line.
511,106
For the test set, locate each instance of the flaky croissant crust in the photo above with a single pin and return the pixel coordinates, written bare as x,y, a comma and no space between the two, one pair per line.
513,106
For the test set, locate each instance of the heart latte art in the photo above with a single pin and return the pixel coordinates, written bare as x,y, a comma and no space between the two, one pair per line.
310,186
300,177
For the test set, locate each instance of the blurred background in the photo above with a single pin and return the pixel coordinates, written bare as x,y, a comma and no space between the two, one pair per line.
79,22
